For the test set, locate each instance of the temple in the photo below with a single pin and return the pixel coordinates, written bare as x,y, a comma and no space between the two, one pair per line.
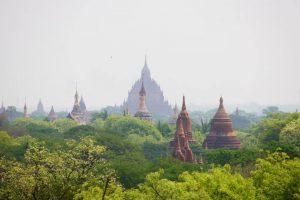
52,115
221,134
25,113
182,150
183,120
77,114
142,111
40,107
155,101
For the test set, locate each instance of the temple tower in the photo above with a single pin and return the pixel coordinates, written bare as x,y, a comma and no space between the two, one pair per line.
221,133
142,111
40,107
76,113
182,150
186,122
25,113
52,115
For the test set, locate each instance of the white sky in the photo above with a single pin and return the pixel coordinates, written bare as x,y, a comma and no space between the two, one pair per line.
246,50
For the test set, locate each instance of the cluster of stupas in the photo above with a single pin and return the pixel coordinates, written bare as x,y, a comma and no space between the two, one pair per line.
221,134
40,110
79,112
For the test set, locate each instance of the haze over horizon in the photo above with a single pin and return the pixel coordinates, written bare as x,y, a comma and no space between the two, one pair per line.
247,51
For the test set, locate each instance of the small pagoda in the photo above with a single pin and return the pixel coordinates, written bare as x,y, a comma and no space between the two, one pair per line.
25,112
221,134
52,115
142,111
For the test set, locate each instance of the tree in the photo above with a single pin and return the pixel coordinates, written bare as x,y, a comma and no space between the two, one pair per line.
271,109
56,175
290,134
277,177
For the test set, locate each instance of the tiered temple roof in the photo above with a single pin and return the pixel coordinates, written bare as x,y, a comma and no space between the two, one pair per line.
142,111
221,134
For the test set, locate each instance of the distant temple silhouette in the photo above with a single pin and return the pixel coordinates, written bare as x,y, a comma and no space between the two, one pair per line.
40,108
221,134
155,101
25,113
52,115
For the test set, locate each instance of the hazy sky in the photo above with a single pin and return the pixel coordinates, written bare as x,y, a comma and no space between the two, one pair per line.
246,50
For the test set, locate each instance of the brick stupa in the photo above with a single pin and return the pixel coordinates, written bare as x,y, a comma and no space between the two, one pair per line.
221,134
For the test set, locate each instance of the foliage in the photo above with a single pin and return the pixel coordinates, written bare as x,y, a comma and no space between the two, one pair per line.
290,134
276,177
64,124
102,115
269,129
55,175
164,128
131,125
234,157
80,131
270,109
248,140
240,122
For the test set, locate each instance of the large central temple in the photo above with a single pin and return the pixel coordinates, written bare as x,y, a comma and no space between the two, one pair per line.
155,100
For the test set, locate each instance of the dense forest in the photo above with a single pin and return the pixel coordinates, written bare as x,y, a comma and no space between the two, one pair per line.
122,157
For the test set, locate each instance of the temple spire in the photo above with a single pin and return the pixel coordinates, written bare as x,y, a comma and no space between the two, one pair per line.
142,111
25,113
146,71
183,103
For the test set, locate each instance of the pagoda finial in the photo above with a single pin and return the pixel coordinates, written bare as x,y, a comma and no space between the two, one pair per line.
145,59
221,102
183,103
